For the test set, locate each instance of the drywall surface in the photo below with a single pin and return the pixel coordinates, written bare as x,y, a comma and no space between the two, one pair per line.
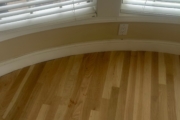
23,45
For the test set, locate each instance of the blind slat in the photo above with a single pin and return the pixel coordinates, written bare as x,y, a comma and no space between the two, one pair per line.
24,4
40,8
149,10
5,1
150,7
151,3
171,1
59,10
30,10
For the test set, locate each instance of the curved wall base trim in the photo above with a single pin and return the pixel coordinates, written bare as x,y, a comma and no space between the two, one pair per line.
82,48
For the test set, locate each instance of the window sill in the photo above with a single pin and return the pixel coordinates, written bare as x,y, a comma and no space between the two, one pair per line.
149,18
37,26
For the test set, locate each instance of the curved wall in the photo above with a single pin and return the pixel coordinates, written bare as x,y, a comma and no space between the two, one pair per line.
27,44
32,43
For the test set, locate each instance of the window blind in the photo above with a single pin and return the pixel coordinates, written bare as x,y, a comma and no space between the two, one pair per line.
18,10
151,7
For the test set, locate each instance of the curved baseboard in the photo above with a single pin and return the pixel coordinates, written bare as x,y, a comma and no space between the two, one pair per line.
82,48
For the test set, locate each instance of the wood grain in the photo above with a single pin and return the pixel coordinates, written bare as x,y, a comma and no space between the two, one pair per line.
96,86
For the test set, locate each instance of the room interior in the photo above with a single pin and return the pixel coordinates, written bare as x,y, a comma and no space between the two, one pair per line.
75,60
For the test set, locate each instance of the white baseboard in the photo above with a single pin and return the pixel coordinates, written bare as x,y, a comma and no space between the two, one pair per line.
82,48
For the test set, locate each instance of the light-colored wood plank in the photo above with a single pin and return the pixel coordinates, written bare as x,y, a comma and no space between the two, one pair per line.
43,112
161,69
170,87
118,70
162,107
109,76
154,87
113,104
103,111
94,115
128,115
176,72
59,115
139,87
123,88
146,103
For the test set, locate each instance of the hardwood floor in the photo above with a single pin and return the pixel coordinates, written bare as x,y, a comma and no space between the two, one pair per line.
97,86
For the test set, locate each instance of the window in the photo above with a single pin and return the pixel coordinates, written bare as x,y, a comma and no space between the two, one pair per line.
151,7
19,10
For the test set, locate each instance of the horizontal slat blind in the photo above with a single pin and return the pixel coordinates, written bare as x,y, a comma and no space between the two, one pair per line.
151,7
18,10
